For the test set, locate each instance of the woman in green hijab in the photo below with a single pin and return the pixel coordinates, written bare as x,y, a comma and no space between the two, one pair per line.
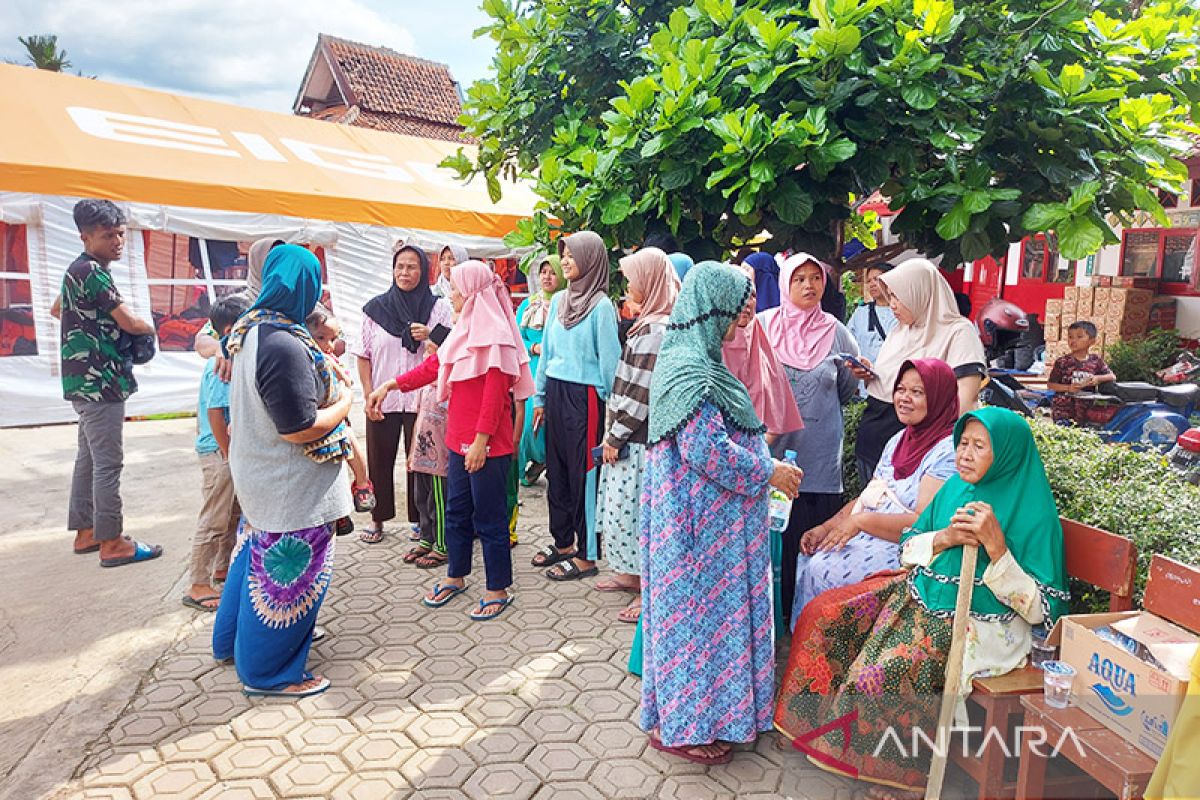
878,649
708,672
544,283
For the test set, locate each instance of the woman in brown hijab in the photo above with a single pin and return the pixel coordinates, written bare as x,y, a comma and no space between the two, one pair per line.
580,351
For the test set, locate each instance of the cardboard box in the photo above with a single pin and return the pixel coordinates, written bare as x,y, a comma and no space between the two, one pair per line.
1135,283
1052,328
1102,280
1084,297
1126,694
1054,306
1100,308
1119,328
1100,295
1070,297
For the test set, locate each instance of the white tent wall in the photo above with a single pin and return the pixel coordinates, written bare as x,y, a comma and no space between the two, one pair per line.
358,261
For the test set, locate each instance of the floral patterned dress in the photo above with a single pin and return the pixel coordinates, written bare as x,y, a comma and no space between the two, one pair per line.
709,661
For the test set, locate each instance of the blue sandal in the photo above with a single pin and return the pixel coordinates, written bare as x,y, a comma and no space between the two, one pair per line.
141,552
478,614
437,590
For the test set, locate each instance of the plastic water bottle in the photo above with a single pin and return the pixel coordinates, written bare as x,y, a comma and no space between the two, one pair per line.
780,503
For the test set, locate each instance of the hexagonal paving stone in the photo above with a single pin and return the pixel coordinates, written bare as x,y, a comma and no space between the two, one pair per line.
347,647
438,794
437,768
144,728
625,777
321,736
215,708
591,677
568,790
382,750
441,644
250,759
190,667
554,761
389,685
492,653
548,693
748,772
496,710
545,665
502,780
439,668
537,641
340,673
693,787
384,715
623,739
491,745
440,729
554,724
196,744
222,679
309,774
247,789
166,695
441,696
588,650
494,680
121,767
268,719
382,785
176,781
605,705
104,793
336,701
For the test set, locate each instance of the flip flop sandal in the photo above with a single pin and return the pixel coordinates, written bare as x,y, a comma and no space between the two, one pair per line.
550,556
250,691
417,553
364,497
630,614
319,633
437,591
685,753
614,586
415,535
478,614
198,602
570,571
83,551
431,560
141,552
371,536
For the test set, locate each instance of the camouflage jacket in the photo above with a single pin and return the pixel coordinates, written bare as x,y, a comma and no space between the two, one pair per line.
93,369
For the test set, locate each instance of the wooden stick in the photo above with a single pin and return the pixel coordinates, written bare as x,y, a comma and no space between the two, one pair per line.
954,667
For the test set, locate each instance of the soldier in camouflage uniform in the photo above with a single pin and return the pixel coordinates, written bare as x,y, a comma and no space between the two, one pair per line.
97,384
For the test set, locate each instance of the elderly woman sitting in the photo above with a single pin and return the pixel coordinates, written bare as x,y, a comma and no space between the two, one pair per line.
864,537
878,649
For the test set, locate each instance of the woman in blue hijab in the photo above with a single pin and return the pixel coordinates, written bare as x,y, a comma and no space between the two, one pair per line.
766,280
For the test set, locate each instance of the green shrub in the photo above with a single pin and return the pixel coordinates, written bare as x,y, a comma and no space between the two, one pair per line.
851,417
1139,359
1120,490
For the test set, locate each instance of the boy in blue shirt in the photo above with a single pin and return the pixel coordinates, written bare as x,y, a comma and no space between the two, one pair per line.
216,528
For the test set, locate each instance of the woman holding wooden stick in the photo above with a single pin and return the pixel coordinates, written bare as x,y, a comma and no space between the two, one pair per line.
874,654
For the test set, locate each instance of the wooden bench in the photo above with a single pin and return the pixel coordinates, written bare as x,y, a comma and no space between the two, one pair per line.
1173,593
1094,556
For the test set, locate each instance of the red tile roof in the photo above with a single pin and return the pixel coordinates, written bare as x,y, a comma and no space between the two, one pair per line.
391,91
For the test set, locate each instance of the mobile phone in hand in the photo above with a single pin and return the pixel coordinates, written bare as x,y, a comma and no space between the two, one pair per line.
598,454
852,359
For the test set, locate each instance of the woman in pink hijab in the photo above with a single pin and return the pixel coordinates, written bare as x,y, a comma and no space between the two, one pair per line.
653,287
808,342
750,358
483,369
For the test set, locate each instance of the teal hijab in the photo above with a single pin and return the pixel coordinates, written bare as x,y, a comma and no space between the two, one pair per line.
1016,488
690,369
291,282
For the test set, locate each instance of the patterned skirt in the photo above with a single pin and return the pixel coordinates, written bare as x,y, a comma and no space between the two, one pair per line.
269,605
618,513
863,684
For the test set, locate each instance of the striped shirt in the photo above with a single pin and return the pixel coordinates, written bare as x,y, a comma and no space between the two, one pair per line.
629,403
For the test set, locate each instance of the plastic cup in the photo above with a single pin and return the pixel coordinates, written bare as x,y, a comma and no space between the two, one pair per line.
1057,679
1042,652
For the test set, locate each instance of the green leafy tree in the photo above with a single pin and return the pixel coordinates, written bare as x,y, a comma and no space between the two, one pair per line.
41,51
983,121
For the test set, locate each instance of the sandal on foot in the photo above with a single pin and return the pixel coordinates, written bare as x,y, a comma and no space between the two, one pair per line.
685,752
415,534
321,686
83,551
480,614
343,527
432,559
364,496
141,552
420,551
614,585
570,571
371,536
198,602
437,591
549,556
631,613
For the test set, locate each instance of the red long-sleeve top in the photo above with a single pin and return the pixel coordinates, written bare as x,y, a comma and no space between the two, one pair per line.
479,405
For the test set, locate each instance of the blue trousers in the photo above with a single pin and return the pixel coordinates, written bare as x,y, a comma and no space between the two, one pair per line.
477,506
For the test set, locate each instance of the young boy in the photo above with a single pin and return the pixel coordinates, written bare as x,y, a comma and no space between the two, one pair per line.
216,527
1076,371
327,332
96,383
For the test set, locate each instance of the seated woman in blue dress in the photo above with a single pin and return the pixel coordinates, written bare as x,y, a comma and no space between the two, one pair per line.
864,537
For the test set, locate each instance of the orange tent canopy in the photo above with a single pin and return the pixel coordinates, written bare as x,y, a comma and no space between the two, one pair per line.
73,136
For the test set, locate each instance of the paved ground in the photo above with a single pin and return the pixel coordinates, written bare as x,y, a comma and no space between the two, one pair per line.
115,694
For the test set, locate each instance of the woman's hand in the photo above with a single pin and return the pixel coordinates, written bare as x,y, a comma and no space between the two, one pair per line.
952,537
810,540
611,454
786,478
419,332
845,530
979,521
859,372
375,400
223,368
539,416
535,349
476,455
